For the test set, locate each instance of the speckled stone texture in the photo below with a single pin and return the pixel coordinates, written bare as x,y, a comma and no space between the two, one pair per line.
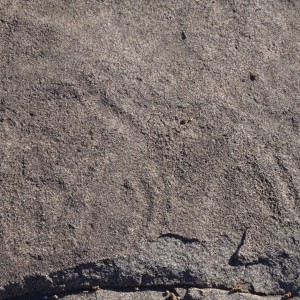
187,294
149,143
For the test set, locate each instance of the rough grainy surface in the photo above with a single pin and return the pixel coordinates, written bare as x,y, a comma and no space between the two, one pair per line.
149,143
190,294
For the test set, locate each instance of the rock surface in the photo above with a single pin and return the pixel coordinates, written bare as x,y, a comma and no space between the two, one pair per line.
149,144
191,294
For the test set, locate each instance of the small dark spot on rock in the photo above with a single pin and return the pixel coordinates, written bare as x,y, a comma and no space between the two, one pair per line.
91,134
253,76
36,257
182,122
71,226
183,35
139,79
126,184
32,114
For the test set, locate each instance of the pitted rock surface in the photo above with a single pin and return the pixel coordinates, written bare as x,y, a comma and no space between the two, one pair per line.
138,137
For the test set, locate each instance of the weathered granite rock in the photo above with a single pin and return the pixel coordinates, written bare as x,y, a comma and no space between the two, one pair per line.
190,294
148,144
193,294
213,294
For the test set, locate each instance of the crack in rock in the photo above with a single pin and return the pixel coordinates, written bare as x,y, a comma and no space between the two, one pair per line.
183,239
234,259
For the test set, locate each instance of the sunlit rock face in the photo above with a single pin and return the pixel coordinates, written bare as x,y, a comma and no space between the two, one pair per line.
144,131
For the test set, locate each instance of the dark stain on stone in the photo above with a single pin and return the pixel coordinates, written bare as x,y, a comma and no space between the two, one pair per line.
183,239
253,76
234,259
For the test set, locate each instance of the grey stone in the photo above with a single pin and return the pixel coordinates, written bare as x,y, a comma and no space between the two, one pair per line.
147,295
181,292
80,296
214,294
149,144
193,294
